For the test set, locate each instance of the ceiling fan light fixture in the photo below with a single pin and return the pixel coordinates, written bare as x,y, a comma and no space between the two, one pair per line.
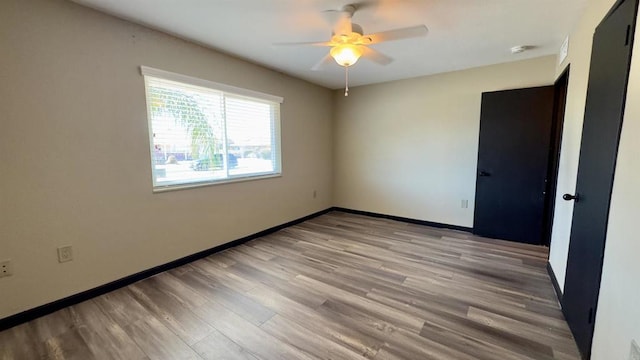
346,54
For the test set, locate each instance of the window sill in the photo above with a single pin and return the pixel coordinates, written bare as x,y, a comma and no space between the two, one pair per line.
166,188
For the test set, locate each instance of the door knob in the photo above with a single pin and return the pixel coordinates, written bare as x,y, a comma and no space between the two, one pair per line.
569,197
484,173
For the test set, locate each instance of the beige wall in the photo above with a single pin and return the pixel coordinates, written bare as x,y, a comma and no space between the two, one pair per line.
74,150
409,148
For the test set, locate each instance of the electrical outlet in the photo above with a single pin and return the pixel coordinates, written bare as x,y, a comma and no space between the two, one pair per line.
464,204
6,268
635,351
65,253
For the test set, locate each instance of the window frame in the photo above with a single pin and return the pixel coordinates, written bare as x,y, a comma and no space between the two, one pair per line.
232,91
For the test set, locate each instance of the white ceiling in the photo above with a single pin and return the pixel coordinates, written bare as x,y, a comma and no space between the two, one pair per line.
462,33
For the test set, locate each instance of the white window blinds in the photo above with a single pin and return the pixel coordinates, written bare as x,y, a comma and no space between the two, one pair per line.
203,132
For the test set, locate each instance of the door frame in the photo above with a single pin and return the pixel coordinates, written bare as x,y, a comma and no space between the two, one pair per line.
551,122
561,87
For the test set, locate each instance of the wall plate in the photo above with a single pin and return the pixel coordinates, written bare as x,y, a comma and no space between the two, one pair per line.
5,268
65,253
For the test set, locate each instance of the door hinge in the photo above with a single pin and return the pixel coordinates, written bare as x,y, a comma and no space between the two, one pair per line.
626,43
591,316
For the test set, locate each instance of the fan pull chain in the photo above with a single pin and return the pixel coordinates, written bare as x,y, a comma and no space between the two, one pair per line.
346,81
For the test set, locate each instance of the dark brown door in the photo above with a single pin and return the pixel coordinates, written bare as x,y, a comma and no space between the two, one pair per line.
610,60
513,159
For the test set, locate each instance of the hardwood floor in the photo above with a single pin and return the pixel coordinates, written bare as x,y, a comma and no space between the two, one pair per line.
339,286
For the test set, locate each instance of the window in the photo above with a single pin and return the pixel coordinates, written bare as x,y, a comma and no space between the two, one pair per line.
203,132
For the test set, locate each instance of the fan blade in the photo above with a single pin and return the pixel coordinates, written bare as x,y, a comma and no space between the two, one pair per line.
398,34
310,43
375,56
322,63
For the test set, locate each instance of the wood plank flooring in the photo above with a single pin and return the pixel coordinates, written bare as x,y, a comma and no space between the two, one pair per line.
340,286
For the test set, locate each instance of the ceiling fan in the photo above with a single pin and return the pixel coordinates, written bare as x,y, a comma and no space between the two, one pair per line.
348,42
